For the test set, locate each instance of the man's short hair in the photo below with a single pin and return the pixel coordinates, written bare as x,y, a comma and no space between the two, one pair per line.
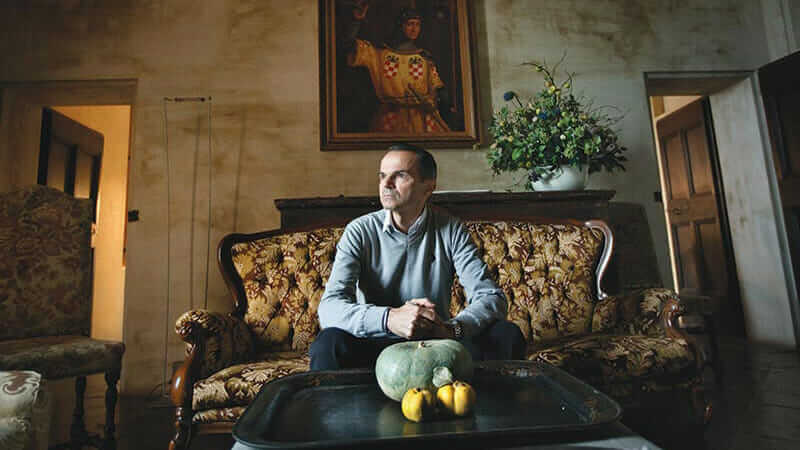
427,165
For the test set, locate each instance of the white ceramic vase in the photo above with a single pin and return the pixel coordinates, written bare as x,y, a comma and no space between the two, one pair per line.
564,178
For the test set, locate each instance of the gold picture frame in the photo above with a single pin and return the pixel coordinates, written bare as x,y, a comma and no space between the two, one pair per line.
397,71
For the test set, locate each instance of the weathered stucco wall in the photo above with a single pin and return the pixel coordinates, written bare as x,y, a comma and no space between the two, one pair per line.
781,27
258,60
794,16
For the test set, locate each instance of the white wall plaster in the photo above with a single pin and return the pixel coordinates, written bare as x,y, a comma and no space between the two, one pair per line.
781,27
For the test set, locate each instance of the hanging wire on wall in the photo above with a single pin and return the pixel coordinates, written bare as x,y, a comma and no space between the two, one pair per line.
167,328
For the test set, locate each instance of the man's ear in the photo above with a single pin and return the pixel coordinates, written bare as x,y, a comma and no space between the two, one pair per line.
431,186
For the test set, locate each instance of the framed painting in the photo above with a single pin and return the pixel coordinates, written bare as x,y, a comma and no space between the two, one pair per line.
397,71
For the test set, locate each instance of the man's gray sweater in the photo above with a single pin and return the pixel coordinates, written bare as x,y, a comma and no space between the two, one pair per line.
378,267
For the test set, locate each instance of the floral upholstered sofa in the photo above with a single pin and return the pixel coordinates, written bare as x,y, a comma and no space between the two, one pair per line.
626,346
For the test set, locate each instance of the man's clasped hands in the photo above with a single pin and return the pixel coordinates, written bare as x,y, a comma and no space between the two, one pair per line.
417,319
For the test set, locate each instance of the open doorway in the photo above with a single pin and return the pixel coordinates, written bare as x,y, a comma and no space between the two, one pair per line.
717,171
97,116
701,252
109,167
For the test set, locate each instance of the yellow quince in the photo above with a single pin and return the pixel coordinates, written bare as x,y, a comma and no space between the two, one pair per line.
418,404
458,398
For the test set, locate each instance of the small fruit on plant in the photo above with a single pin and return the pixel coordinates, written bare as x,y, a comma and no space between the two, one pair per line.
457,398
418,404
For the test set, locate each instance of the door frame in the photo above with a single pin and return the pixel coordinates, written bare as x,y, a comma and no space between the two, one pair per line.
23,95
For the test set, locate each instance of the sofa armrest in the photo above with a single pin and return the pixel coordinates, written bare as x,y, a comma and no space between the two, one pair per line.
693,323
220,339
214,341
651,312
696,319
699,325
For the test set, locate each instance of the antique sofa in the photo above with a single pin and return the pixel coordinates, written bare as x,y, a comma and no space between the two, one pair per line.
627,346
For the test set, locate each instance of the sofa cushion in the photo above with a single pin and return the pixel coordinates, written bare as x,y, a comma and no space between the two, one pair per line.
610,359
546,272
61,356
630,395
238,385
230,414
284,278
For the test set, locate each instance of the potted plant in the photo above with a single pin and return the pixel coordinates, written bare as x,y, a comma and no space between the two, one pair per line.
555,136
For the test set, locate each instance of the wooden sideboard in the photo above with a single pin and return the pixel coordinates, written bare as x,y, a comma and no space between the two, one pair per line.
301,213
632,266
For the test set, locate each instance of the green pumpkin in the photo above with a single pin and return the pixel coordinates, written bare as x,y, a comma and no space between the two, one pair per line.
408,365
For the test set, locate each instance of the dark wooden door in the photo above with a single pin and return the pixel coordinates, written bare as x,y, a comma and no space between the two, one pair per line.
696,213
780,88
69,156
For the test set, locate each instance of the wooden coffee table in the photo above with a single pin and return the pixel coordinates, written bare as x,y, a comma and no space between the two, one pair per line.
519,403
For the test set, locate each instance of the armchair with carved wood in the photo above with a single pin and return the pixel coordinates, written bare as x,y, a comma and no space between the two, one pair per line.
45,298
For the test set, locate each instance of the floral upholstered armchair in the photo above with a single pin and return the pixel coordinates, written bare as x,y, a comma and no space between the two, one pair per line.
46,293
626,346
24,411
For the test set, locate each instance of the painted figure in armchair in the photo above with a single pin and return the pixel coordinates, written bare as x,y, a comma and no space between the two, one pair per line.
393,272
405,78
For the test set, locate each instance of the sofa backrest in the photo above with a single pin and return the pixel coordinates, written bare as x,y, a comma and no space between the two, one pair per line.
547,272
279,282
45,263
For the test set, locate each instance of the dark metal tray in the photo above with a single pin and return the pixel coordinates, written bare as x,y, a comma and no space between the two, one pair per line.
346,409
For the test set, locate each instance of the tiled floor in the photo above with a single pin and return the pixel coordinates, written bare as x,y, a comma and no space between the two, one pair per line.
757,406
758,403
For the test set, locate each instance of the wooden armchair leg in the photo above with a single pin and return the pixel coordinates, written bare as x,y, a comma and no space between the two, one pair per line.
183,429
77,432
703,408
181,390
109,441
78,436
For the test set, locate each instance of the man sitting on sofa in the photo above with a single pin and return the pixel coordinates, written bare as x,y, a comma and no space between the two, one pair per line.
392,276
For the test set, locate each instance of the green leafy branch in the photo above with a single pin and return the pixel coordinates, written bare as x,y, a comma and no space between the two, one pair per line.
553,128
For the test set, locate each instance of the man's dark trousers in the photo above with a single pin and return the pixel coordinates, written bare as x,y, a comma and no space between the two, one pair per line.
335,348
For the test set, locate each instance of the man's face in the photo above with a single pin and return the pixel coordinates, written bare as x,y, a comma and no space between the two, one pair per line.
411,28
401,187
